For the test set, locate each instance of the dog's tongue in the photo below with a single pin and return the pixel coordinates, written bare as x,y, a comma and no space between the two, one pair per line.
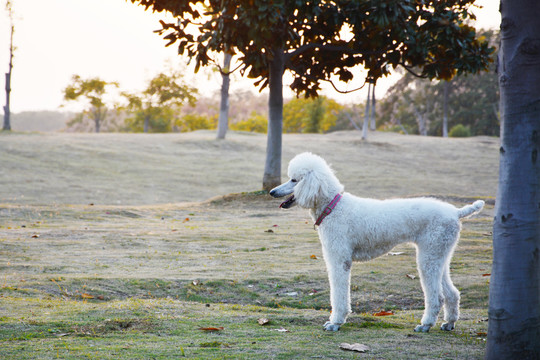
287,202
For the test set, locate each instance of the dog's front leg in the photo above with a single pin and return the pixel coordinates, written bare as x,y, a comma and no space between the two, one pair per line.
339,274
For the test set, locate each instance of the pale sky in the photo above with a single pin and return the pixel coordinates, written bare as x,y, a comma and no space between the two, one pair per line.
111,39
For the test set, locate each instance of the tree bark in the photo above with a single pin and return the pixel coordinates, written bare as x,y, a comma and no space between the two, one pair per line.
514,293
272,167
421,120
373,122
445,109
366,114
223,120
146,124
7,110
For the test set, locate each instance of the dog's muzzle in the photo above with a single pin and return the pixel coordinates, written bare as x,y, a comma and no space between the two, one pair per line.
288,203
280,191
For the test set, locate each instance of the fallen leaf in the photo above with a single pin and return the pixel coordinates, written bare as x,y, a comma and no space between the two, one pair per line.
211,328
481,334
411,276
196,282
313,257
263,321
86,296
354,347
35,236
186,220
281,330
383,313
275,225
396,253
269,231
486,274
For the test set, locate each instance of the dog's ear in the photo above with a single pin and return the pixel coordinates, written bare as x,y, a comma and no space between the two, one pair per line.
307,190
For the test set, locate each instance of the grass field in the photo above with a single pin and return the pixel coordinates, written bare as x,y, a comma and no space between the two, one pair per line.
127,246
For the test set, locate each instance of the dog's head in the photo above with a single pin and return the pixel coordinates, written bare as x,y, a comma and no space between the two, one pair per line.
310,180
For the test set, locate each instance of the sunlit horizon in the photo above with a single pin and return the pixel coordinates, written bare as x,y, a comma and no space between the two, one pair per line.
114,40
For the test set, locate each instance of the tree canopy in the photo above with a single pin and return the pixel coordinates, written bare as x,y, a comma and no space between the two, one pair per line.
93,90
472,102
319,40
429,38
153,107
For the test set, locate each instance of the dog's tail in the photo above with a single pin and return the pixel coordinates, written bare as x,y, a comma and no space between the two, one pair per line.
469,210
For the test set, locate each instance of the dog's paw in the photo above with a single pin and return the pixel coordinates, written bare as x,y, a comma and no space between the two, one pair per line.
422,328
449,326
328,326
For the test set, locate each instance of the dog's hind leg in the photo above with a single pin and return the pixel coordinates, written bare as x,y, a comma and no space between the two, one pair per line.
451,300
339,274
431,271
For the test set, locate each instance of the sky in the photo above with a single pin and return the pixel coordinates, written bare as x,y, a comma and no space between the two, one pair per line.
113,40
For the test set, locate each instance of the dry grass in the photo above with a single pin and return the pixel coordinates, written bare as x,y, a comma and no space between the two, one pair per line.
103,236
138,169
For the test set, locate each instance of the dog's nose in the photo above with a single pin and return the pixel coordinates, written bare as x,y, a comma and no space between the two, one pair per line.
272,192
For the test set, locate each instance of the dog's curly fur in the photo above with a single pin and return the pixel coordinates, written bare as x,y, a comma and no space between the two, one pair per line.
360,229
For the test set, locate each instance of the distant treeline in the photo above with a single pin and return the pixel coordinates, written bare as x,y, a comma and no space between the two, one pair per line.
40,120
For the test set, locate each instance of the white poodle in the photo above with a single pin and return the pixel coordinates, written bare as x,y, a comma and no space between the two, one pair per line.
352,228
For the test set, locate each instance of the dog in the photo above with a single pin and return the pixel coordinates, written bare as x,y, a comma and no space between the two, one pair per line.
351,229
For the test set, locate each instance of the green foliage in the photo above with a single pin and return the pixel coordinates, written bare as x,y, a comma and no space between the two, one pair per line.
460,131
431,37
154,108
93,91
318,115
159,120
255,123
472,101
192,122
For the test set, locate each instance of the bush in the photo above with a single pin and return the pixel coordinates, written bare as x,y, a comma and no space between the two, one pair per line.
460,131
255,123
192,122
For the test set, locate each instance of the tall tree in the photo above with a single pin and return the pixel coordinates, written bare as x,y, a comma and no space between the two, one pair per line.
93,91
514,292
366,113
271,36
471,100
373,113
152,109
446,87
7,110
223,119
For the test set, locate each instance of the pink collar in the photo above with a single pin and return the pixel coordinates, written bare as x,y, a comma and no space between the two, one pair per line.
327,210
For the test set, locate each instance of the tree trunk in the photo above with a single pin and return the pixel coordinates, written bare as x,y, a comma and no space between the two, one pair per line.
421,120
146,124
223,120
272,167
445,109
514,292
366,114
373,123
7,110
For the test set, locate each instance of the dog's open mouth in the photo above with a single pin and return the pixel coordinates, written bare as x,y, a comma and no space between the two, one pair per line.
288,203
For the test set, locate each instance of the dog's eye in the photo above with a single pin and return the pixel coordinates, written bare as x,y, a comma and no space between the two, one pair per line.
294,180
